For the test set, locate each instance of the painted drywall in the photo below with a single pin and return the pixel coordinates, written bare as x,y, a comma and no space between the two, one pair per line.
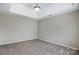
14,28
61,29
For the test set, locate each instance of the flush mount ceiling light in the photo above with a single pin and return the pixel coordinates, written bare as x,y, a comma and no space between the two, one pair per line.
36,7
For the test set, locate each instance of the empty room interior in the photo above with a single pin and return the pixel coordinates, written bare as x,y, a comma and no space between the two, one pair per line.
39,29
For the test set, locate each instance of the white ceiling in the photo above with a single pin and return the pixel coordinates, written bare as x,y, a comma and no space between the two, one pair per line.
47,9
31,5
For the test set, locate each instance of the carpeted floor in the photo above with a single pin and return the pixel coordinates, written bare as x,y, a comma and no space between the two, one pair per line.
35,47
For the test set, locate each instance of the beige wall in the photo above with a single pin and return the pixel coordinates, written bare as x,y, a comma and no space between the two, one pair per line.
15,28
61,29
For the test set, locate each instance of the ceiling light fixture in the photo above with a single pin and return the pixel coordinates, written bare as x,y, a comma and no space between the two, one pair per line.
36,7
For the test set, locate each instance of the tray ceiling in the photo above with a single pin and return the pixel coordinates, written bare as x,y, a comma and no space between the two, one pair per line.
46,9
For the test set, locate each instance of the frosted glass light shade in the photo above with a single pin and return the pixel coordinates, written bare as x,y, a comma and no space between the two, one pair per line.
37,9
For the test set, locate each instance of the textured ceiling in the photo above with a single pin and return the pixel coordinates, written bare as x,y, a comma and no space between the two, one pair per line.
47,9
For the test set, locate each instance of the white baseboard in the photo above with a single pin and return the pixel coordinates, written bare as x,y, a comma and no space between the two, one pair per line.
61,45
10,42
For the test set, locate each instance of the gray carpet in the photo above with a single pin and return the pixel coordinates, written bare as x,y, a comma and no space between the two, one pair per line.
35,47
